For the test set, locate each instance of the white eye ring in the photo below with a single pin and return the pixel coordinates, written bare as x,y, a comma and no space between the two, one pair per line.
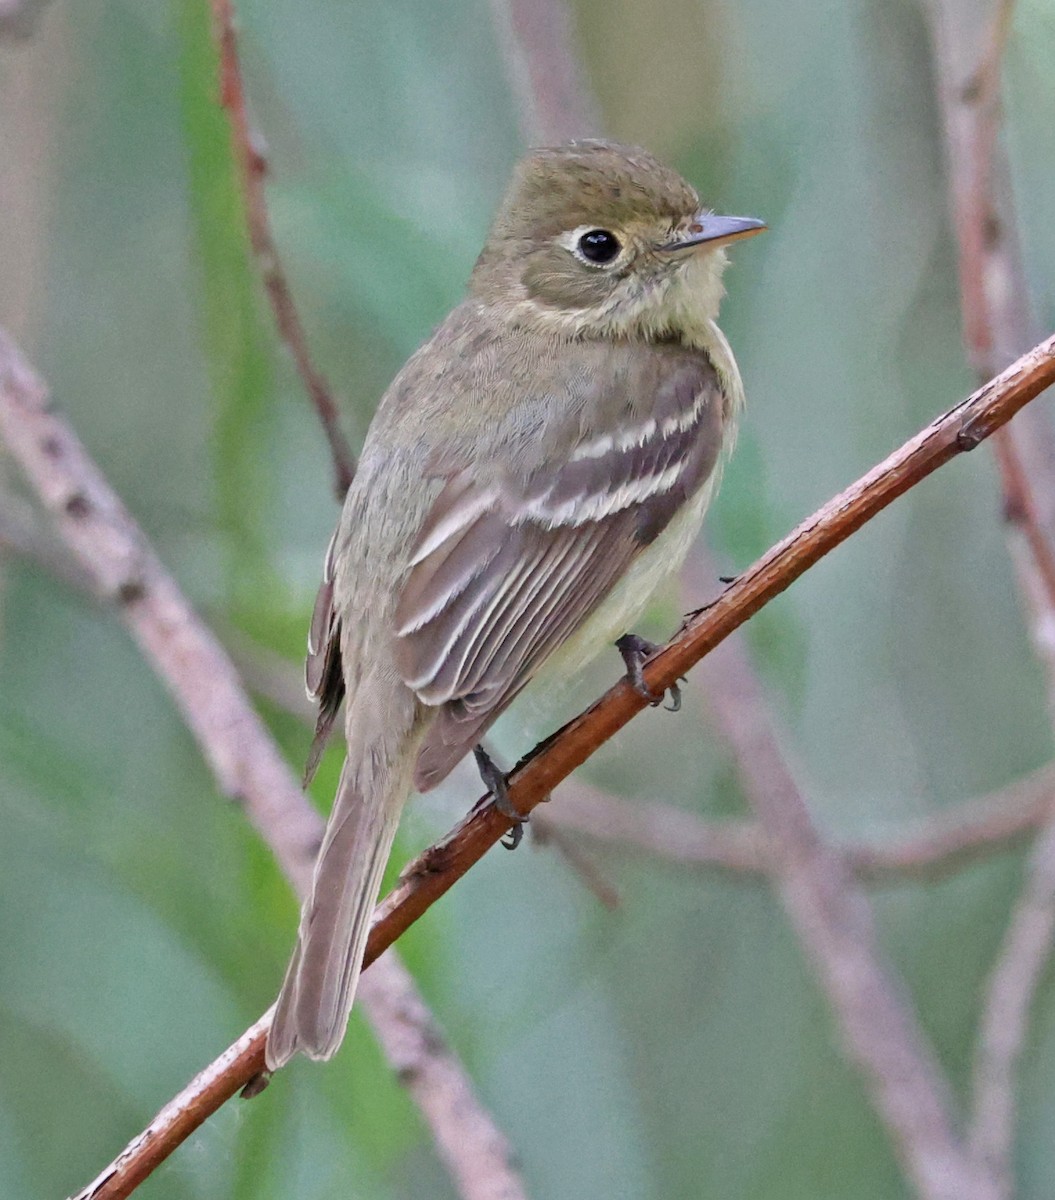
572,242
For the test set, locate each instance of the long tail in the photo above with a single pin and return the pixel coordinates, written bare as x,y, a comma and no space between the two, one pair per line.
317,993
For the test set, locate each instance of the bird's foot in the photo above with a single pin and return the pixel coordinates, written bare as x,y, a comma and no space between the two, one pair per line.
495,782
636,651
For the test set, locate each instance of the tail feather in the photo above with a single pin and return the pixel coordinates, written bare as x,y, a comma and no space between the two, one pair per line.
312,1010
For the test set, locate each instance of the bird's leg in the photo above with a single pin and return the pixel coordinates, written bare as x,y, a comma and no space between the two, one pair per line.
495,782
636,651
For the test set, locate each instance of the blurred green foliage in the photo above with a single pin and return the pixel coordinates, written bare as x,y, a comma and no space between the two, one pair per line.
679,1047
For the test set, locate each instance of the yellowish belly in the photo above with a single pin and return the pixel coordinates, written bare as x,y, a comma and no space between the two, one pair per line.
631,595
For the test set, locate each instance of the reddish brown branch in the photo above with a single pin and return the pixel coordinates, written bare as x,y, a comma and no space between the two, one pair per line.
435,871
205,1093
929,848
252,167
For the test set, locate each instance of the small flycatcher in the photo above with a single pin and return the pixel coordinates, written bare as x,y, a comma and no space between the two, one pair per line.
533,474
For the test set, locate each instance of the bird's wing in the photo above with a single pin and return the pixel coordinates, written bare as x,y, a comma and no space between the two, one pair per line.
323,673
505,570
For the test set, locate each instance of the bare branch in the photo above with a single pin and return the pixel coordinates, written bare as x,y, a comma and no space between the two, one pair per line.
252,166
180,1117
536,40
962,833
439,867
660,830
931,848
248,768
994,298
474,1150
547,832
113,551
1005,1019
834,922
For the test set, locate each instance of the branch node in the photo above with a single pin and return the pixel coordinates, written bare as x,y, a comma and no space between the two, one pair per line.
971,434
77,506
130,591
256,1085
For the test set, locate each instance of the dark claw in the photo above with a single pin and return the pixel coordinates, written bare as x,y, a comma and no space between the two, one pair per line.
514,837
495,782
636,651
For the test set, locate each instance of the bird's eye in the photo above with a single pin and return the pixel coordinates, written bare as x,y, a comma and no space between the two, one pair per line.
599,246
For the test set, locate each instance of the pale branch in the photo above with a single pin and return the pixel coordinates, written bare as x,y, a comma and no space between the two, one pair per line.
547,832
880,1031
552,102
960,834
930,847
116,558
252,170
997,322
1004,1024
124,569
832,918
659,830
435,871
475,1151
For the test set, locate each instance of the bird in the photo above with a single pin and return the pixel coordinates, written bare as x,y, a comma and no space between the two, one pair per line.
532,475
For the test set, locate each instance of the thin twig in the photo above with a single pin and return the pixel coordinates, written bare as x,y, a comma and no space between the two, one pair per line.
962,833
248,768
1004,1024
931,848
110,547
252,166
996,319
536,41
660,830
434,872
834,921
474,1150
546,831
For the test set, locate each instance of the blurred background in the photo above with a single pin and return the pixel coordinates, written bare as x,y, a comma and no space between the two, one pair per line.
678,1046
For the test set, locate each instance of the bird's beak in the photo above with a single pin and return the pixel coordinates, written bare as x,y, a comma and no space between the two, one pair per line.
711,230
